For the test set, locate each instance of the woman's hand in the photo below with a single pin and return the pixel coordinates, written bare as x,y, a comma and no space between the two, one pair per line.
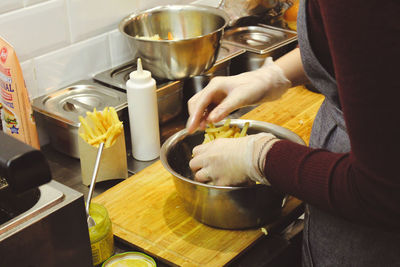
232,161
226,94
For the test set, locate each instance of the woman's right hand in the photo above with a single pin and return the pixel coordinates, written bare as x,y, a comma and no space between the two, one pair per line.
226,94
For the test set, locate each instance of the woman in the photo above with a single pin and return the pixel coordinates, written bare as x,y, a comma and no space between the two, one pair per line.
349,175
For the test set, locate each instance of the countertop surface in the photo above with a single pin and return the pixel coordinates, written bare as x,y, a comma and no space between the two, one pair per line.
295,110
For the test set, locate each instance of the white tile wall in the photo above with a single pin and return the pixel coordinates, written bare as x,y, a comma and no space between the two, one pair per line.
46,30
59,42
37,29
30,78
32,2
120,50
213,3
91,17
150,4
73,63
8,5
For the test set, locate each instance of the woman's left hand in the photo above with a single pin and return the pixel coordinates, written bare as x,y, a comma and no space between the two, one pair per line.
231,161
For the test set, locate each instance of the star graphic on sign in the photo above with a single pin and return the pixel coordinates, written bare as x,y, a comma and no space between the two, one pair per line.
14,130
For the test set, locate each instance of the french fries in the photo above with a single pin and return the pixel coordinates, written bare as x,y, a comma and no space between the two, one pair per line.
101,127
224,131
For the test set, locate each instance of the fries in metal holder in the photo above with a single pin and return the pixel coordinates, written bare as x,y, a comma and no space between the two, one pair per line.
224,131
101,126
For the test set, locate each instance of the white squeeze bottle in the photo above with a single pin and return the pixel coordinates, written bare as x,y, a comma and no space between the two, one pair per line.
143,114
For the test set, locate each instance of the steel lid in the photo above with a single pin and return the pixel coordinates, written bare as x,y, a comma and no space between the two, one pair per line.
68,103
259,39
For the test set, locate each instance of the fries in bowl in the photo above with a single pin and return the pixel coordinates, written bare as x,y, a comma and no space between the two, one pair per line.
224,131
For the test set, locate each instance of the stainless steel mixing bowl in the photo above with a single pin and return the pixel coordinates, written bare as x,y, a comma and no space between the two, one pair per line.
196,32
225,207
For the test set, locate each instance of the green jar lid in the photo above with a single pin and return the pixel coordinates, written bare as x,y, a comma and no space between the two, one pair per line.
103,224
130,259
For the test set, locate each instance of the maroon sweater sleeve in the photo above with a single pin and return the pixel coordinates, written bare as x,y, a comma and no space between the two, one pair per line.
363,185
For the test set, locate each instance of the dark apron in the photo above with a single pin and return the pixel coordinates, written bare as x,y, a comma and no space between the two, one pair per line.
330,240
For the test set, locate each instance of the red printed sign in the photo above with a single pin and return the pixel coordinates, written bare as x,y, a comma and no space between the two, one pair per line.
3,54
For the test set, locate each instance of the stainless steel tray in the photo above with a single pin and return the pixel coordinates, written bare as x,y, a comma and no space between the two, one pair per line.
260,39
72,101
118,76
227,52
47,197
58,112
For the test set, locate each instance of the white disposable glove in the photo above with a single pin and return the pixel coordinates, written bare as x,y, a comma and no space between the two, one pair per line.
226,94
232,161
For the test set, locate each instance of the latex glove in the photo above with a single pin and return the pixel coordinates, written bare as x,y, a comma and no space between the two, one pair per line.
225,94
232,161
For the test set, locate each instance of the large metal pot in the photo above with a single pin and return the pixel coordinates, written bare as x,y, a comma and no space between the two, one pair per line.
222,206
196,32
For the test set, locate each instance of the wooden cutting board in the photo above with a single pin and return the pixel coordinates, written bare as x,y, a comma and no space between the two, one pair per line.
147,213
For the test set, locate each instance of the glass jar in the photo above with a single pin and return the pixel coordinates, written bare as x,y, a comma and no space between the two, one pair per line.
101,236
130,259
